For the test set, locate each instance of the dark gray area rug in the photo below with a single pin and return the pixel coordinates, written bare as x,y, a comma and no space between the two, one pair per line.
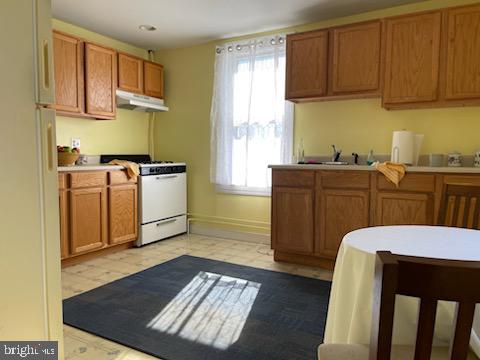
192,308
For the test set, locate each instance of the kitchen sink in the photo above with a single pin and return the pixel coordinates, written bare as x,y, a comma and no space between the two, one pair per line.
326,163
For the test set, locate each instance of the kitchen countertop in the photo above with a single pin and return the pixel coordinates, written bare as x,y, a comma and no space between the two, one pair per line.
90,167
444,169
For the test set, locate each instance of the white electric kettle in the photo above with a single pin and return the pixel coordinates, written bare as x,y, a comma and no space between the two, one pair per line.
406,147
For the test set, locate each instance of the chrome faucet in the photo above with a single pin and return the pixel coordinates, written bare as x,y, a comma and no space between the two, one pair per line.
336,154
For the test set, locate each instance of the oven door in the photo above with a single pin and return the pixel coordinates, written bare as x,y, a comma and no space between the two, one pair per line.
162,196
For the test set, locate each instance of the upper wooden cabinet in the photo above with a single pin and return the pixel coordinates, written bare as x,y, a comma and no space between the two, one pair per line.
356,58
100,81
130,73
419,60
68,59
307,63
87,76
463,53
340,62
153,79
412,58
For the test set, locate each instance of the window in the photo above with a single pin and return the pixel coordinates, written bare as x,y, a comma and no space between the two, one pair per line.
251,123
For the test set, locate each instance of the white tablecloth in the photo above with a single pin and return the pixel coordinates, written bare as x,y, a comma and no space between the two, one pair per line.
350,307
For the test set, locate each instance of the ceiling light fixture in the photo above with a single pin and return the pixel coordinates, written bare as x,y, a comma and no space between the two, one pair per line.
147,27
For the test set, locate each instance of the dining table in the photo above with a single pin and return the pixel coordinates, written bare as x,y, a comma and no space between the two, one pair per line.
349,315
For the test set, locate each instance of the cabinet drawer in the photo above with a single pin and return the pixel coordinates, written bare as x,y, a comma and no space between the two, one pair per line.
344,179
411,182
301,178
120,177
62,181
163,229
88,179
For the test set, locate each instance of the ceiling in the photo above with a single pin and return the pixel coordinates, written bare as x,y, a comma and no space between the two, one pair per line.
182,23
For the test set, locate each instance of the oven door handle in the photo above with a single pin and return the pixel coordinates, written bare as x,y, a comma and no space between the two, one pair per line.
166,177
168,221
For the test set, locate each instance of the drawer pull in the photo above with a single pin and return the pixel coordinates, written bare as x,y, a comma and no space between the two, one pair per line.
166,222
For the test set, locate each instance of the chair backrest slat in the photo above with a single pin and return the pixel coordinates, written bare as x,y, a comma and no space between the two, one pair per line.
431,280
426,327
451,204
386,277
463,326
466,211
456,209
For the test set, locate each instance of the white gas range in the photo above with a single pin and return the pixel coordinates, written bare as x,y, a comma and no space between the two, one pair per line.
162,199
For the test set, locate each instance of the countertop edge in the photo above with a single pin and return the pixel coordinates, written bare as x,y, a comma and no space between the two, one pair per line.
98,167
425,169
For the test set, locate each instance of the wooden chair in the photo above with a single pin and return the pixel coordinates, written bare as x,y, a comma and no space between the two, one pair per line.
458,213
430,280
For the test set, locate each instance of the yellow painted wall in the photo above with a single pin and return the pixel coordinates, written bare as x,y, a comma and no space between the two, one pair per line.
355,125
128,133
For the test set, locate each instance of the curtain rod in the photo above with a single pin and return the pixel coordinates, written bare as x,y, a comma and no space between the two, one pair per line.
276,40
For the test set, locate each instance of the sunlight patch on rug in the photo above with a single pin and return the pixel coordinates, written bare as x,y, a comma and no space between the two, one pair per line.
212,310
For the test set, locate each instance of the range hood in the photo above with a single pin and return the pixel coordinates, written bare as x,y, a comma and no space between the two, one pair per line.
136,102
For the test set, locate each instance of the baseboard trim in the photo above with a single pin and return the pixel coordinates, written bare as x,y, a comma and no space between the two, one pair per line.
308,260
253,237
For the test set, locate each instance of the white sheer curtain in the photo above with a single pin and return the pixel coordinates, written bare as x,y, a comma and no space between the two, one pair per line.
251,123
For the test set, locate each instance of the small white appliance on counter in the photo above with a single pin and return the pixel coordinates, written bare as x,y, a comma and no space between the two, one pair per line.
406,147
162,200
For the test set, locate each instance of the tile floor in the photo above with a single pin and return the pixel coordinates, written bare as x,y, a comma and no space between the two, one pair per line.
93,273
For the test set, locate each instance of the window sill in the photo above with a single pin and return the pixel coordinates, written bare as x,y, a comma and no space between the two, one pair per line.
240,190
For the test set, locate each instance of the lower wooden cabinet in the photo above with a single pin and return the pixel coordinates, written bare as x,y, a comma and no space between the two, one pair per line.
123,213
292,215
338,213
404,209
88,219
96,214
312,210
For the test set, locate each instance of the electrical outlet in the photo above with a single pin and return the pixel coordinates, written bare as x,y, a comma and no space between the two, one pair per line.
75,143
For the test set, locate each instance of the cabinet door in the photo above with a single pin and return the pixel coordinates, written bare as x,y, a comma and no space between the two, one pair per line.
100,81
88,219
68,63
463,53
338,213
62,201
123,213
412,58
130,73
292,220
356,55
404,209
153,79
307,62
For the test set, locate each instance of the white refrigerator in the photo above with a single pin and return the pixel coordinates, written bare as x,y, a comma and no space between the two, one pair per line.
30,291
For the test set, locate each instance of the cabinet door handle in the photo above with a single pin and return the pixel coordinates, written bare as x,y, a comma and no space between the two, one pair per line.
45,67
50,146
166,222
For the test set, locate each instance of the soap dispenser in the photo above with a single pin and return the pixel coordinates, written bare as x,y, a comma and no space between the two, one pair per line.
370,158
300,152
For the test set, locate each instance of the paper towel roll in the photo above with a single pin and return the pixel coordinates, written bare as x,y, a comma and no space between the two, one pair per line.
403,147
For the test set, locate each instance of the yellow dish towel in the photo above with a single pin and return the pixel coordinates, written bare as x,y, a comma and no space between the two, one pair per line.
394,172
133,170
